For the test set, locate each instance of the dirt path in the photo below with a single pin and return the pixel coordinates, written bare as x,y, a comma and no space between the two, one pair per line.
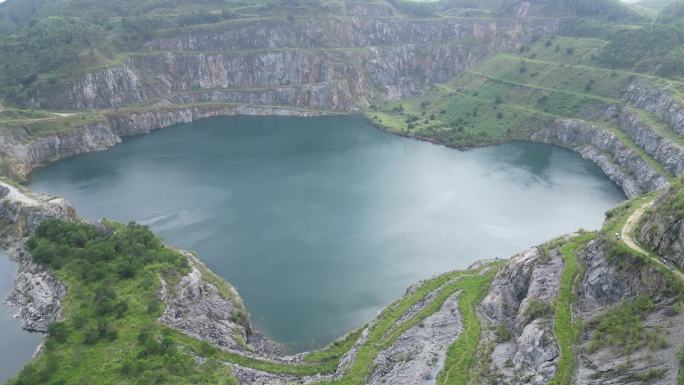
627,238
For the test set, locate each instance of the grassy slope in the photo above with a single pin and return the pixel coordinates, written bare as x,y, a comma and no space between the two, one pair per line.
566,329
110,334
462,353
509,96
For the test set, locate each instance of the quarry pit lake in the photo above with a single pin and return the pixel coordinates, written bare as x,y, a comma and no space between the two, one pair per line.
320,222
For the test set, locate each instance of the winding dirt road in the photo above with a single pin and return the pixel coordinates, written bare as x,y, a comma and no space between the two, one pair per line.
627,238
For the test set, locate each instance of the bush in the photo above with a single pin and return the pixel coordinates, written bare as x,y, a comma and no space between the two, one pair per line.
623,328
501,333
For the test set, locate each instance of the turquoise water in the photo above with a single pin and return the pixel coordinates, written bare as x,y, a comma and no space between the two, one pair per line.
320,222
16,345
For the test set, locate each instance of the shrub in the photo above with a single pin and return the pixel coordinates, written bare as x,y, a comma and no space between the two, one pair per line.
501,333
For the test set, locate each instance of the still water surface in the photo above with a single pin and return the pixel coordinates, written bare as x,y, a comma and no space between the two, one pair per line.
16,345
320,222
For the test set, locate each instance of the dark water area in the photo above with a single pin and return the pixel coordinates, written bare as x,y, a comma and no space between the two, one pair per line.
320,222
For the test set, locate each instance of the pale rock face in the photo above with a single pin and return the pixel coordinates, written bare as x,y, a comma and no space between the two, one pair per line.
659,100
418,355
663,150
196,308
24,153
607,284
322,62
621,164
531,353
36,292
663,233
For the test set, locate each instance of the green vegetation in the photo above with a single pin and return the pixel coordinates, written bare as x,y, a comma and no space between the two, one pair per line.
111,334
673,206
112,309
385,331
680,355
510,96
537,309
461,356
565,328
622,328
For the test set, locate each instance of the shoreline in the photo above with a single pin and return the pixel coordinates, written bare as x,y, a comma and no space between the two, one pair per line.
23,195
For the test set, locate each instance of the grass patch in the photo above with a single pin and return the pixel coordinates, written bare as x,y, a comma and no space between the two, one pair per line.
462,353
565,329
622,328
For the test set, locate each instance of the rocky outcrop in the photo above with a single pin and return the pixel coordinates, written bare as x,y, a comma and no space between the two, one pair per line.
418,355
518,329
198,308
663,227
607,283
620,163
323,62
659,100
663,150
120,85
37,292
24,152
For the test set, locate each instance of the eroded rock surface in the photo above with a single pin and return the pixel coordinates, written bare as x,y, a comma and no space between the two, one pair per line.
418,355
517,322
620,163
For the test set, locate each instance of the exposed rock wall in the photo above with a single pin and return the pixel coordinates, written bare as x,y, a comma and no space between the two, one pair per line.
23,153
198,308
663,228
36,292
323,62
620,163
418,355
659,100
529,354
606,284
663,150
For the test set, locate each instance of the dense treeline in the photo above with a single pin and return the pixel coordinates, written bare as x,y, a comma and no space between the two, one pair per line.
110,334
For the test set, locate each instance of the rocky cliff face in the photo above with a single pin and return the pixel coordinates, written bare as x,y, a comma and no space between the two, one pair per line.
620,163
665,151
663,230
607,283
197,307
659,100
23,153
324,62
37,292
518,330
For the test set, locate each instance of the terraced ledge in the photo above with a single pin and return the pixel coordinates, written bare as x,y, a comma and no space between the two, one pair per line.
566,329
661,144
349,360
